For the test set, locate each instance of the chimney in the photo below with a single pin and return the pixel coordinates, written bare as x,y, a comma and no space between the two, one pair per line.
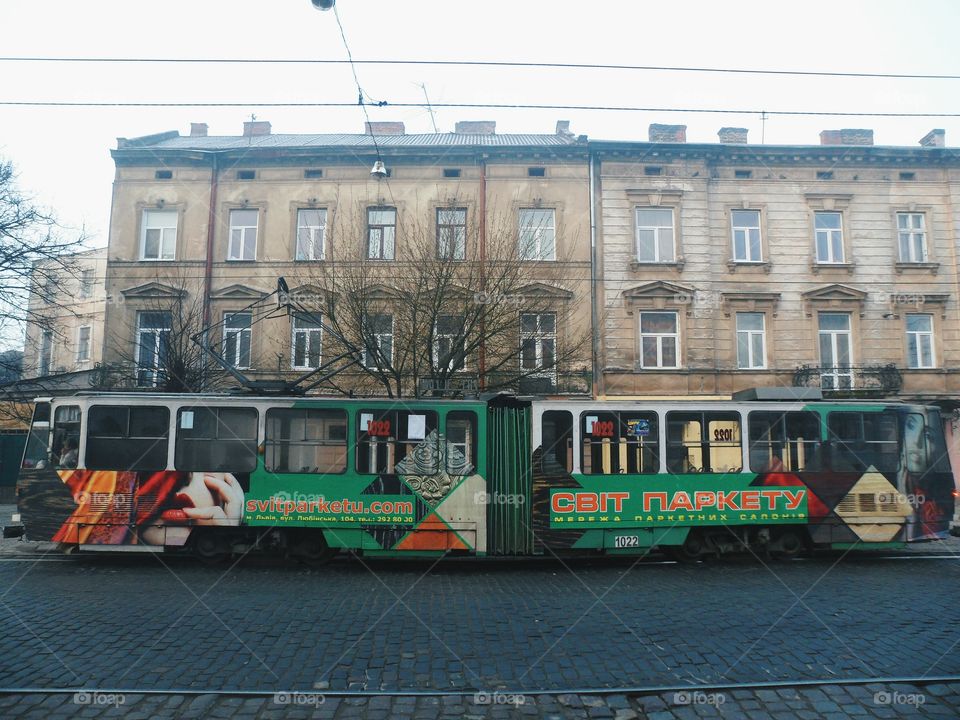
847,136
934,138
733,136
384,128
198,129
668,133
563,128
476,127
256,127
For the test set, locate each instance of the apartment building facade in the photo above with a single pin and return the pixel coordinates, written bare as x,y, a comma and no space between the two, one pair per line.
728,266
67,311
211,224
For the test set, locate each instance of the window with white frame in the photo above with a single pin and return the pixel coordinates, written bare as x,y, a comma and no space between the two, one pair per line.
451,233
538,342
448,343
243,234
153,338
920,341
659,340
307,341
538,234
378,340
828,232
158,237
655,235
835,351
745,225
86,283
381,233
912,234
311,233
83,343
751,341
46,352
236,338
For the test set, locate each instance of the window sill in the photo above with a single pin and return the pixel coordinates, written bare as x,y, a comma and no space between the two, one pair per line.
308,260
161,260
734,265
637,265
240,260
818,267
932,267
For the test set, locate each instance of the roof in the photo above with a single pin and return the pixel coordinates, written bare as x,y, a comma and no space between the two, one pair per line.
234,142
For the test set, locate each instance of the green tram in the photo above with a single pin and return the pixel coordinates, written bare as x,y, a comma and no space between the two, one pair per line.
311,476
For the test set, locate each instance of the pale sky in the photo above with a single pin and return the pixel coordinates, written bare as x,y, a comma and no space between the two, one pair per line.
63,153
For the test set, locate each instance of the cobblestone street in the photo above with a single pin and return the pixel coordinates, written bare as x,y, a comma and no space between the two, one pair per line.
508,630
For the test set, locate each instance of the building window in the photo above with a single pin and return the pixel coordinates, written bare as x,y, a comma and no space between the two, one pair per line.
86,283
920,341
451,233
158,239
655,235
381,233
751,341
828,229
538,342
236,339
911,229
746,236
659,340
153,336
537,235
83,343
378,341
243,234
448,343
834,335
46,352
311,231
307,340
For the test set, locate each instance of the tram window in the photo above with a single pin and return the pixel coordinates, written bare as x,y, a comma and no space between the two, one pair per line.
703,442
66,436
461,439
306,440
616,443
860,440
127,437
35,453
556,436
784,441
218,439
397,441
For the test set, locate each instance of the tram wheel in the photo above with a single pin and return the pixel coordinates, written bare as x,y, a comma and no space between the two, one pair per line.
691,551
211,548
311,549
789,545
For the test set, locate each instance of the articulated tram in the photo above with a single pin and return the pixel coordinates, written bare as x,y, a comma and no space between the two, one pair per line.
310,476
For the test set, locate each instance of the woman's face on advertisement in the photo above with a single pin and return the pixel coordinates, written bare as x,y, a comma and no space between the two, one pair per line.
915,442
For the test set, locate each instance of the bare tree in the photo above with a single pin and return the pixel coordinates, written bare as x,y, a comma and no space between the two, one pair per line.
36,256
452,303
160,352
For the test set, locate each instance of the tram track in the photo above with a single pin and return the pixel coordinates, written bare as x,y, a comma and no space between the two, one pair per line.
630,690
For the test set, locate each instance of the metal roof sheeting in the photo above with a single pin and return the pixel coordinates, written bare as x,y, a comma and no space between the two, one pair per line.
188,142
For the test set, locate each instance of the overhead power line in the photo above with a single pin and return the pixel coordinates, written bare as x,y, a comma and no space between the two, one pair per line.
490,63
498,106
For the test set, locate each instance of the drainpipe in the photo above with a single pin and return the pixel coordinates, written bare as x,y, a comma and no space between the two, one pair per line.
597,384
211,226
482,360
